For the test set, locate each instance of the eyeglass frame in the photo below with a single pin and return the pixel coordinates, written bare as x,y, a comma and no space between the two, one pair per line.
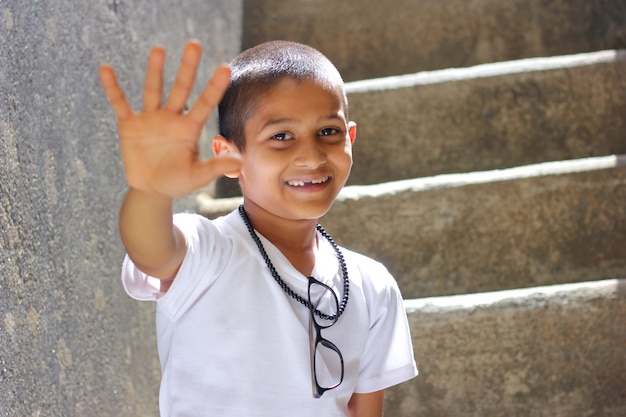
318,390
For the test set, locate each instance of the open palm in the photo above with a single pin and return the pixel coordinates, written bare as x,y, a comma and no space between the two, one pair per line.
159,145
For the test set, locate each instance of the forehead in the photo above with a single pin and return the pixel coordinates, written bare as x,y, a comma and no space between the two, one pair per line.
292,96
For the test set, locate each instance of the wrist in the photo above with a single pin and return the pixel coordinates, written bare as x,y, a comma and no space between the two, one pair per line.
152,196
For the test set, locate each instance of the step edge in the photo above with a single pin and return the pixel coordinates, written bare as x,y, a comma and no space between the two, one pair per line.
207,204
485,71
355,192
557,294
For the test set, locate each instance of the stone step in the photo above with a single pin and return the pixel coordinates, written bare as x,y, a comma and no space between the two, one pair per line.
373,38
489,116
545,351
534,225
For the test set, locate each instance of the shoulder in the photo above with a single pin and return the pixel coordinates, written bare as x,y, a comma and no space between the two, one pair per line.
368,267
191,221
195,226
208,241
372,276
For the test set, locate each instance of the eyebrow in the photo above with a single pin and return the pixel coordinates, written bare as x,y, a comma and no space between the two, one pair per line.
269,123
273,122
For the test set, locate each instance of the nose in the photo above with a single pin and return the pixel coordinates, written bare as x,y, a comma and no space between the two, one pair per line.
310,153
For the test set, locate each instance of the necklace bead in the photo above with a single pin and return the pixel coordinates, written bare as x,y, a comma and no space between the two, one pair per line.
283,284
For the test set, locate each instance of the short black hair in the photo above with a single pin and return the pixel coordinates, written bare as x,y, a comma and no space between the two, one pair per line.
256,70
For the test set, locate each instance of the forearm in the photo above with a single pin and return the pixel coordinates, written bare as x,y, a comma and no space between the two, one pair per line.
147,231
366,405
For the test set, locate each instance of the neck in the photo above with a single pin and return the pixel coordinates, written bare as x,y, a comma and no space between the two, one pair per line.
296,239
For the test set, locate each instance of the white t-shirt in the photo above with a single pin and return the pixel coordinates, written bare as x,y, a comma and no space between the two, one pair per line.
231,342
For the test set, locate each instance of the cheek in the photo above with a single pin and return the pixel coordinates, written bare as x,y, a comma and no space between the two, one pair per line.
246,172
348,146
257,170
347,152
343,162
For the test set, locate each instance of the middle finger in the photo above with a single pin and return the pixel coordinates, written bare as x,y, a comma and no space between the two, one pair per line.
185,77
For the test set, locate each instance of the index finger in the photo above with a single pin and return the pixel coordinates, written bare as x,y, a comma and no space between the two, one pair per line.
114,93
211,95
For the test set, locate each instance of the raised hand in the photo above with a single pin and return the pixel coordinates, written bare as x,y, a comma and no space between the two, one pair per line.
159,144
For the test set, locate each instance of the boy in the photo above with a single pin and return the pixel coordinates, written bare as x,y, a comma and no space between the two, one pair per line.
259,313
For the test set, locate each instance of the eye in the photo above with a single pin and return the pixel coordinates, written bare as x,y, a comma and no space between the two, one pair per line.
329,131
281,136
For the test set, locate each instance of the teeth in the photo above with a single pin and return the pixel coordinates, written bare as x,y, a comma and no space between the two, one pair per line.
300,183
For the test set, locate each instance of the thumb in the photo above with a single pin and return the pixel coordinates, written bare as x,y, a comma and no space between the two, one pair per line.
211,169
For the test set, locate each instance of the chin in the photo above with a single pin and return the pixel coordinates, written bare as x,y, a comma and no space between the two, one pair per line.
309,212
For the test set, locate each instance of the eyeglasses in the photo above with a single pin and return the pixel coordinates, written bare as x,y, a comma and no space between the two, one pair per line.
325,355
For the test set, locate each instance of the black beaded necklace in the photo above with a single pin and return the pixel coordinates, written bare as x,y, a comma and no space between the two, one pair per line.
285,287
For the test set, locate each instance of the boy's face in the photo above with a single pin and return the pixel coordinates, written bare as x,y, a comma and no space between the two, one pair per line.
298,151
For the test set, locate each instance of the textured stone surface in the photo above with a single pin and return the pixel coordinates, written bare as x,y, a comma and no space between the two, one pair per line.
542,352
486,237
373,38
71,343
490,123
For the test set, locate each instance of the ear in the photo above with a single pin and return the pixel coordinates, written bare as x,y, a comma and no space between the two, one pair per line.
352,131
222,146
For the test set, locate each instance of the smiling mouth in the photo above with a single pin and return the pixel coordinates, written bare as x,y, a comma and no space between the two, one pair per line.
302,183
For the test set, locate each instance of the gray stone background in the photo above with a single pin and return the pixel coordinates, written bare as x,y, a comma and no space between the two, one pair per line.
71,342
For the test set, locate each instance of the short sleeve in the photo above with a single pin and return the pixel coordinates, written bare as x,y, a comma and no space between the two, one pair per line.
388,357
138,285
205,248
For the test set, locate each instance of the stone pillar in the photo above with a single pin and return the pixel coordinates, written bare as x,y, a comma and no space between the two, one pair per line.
71,342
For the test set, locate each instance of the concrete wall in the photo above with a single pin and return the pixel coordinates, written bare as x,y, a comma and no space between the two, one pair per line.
374,38
71,342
